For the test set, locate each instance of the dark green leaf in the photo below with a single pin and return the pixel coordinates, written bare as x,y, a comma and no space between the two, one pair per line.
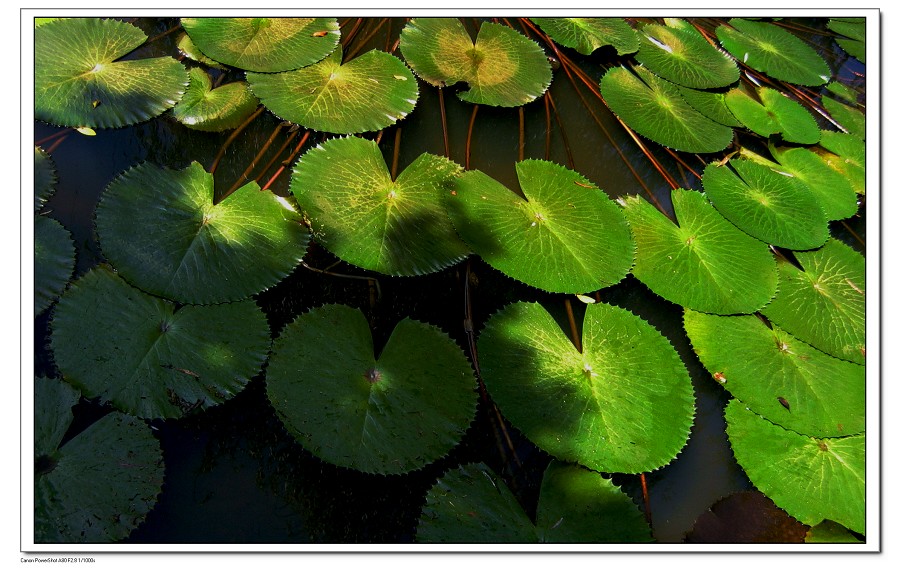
54,261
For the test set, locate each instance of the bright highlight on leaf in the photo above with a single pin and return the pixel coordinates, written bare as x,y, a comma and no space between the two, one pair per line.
625,404
587,35
502,67
358,213
566,235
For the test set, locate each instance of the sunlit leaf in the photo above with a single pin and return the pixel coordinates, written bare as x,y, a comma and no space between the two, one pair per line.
54,261
679,53
396,227
586,35
502,67
812,479
147,356
388,415
370,92
214,110
854,32
80,82
711,105
566,235
625,404
842,91
773,113
853,120
187,47
655,108
832,189
264,44
846,155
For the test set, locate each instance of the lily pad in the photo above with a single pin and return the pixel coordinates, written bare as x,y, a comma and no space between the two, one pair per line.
99,485
264,44
812,479
772,50
358,213
846,155
387,416
566,235
502,67
187,47
854,32
586,35
704,262
830,532
625,404
824,304
766,204
842,91
679,53
779,377
44,178
853,120
161,230
79,82
775,113
473,505
655,108
368,93
831,189
148,357
54,261
711,105
214,110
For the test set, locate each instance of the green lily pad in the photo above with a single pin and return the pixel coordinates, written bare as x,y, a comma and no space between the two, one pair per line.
502,67
623,405
473,505
264,44
148,357
358,213
774,51
586,35
98,486
214,110
766,204
54,261
854,48
187,47
371,92
655,108
831,189
830,532
776,113
846,155
711,105
853,120
812,479
160,229
44,178
853,31
387,416
544,240
679,53
824,304
79,82
779,377
704,262
842,91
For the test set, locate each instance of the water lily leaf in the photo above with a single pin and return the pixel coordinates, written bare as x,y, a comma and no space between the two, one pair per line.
586,35
42,21
54,261
502,67
711,105
264,44
824,304
623,405
766,204
846,155
774,51
358,213
187,47
655,108
99,485
776,113
779,377
831,189
853,120
387,416
830,532
148,357
854,48
679,53
371,92
812,479
44,177
854,32
842,91
79,82
162,232
214,110
546,239
704,262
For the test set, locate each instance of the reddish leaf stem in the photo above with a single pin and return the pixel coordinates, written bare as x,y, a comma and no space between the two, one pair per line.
233,137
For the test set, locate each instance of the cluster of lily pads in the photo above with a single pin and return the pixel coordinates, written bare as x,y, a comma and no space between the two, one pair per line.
773,304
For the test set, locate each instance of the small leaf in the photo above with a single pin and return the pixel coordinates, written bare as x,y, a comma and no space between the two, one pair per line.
776,113
853,120
214,110
586,35
846,155
54,261
830,532
711,105
831,189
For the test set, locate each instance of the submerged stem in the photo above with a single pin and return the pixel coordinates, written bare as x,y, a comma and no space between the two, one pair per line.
233,137
444,122
286,162
243,177
469,135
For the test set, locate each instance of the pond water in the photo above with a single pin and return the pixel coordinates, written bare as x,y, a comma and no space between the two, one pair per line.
233,474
